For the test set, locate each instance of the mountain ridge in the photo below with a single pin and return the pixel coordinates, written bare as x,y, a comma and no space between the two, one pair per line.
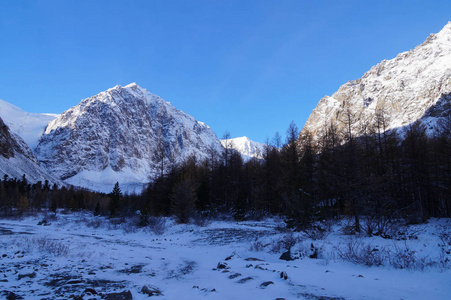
29,126
403,89
17,159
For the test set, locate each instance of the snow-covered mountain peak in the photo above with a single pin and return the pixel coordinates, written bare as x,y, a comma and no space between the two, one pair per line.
246,147
446,29
132,85
138,93
443,36
405,88
238,140
123,134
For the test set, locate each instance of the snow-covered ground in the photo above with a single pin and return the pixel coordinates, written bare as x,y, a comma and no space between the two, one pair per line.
85,257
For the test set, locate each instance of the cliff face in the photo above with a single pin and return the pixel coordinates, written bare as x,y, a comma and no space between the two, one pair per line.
415,85
124,134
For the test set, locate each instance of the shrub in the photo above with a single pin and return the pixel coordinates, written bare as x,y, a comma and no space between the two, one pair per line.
257,246
283,243
156,225
443,261
45,246
130,225
200,220
445,236
356,251
405,258
318,232
381,226
94,223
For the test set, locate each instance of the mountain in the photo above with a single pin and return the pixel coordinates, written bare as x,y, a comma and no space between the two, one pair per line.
124,134
29,126
16,158
415,85
247,148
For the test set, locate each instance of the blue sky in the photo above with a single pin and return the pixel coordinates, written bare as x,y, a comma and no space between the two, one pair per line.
246,67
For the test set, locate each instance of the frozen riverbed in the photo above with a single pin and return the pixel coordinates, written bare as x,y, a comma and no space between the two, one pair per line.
87,257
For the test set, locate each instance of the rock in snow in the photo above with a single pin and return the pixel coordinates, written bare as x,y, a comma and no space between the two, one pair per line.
415,85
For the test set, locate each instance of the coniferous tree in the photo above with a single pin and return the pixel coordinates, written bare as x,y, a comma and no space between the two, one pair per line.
144,216
415,146
183,199
273,172
442,168
115,200
328,174
22,204
3,199
97,209
350,186
53,205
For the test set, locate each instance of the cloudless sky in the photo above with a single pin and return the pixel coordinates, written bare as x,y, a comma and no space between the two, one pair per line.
246,67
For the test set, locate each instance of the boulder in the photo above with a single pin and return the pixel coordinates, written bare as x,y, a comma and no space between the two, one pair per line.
286,256
30,275
222,265
10,295
284,275
265,284
91,291
151,291
243,280
125,295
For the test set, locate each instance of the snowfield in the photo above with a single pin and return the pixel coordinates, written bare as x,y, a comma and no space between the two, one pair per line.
84,257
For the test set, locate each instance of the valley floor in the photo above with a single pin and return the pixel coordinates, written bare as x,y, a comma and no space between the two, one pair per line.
83,257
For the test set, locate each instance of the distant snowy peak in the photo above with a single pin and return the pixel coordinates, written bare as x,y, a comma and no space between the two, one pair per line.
405,88
16,158
246,147
123,134
29,126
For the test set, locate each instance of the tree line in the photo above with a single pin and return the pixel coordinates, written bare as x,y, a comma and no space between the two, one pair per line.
18,196
379,175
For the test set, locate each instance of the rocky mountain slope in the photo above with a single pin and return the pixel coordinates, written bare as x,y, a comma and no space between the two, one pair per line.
246,147
16,158
124,134
29,126
415,85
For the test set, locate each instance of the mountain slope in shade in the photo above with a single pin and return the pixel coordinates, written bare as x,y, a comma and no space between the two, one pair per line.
247,148
16,158
414,85
29,126
124,134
